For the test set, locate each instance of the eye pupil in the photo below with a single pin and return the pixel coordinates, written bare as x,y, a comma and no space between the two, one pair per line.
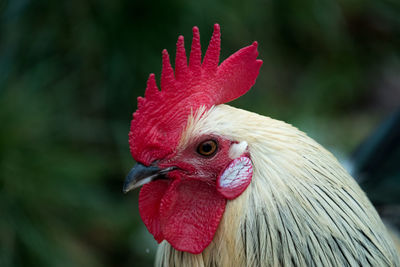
207,148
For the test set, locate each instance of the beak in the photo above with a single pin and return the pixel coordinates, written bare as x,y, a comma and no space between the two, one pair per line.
141,174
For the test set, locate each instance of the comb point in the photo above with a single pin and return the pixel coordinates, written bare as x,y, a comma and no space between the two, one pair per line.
140,102
195,53
151,89
167,73
180,59
211,59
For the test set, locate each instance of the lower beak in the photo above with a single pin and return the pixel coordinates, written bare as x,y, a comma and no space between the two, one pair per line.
141,174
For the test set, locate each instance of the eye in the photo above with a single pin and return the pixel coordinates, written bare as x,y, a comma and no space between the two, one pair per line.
207,148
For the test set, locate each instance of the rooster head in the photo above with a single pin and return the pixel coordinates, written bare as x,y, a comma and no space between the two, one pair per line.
187,179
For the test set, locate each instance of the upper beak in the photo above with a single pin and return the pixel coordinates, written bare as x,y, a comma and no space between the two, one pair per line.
141,174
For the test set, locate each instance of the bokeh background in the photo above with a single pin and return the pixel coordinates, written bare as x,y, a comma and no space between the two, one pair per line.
70,72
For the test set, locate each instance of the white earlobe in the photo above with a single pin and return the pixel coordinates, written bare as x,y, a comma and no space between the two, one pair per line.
237,150
235,178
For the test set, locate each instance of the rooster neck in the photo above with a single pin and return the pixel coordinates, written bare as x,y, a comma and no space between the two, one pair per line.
301,208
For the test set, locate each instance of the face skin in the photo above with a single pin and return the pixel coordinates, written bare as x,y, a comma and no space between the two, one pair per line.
186,192
190,164
185,209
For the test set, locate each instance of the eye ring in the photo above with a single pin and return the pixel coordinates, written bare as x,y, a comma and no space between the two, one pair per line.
207,148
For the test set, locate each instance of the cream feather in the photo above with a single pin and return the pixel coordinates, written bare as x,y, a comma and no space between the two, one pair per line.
301,208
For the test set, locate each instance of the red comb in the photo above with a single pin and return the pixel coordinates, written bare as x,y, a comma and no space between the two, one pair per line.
162,115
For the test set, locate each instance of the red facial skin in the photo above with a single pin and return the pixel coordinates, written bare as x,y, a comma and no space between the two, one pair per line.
186,208
192,165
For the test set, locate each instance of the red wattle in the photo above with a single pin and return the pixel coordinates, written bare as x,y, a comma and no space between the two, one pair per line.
149,205
186,213
190,212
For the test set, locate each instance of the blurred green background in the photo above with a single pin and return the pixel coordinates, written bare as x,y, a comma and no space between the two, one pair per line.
70,72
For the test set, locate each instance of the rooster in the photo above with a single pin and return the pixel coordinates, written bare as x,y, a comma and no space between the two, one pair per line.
223,186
